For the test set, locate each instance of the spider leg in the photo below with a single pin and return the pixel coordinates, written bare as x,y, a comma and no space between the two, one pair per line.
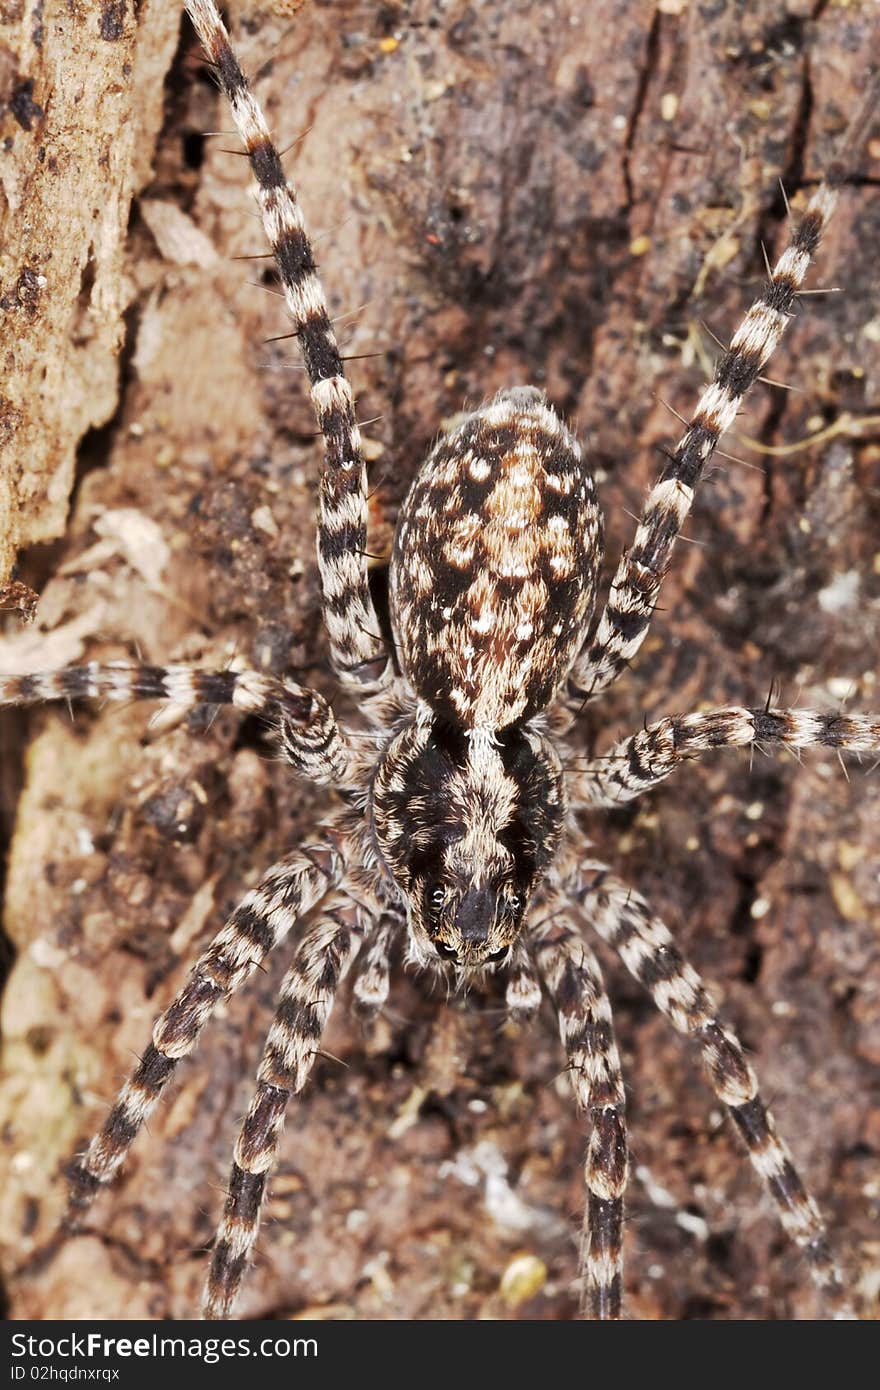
647,758
573,979
307,994
373,980
264,917
636,585
304,724
523,994
647,949
384,708
358,651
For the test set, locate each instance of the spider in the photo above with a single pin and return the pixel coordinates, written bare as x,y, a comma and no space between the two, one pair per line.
457,827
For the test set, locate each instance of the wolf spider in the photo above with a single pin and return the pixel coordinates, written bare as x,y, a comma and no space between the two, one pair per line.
456,827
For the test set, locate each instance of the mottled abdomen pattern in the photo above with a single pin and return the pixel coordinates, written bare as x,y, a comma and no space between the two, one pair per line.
493,574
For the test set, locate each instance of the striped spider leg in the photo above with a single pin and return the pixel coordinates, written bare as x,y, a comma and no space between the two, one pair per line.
261,921
308,990
358,652
304,727
643,761
635,588
623,919
626,618
573,980
312,743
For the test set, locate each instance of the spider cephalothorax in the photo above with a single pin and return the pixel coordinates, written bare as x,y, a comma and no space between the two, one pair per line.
466,822
458,823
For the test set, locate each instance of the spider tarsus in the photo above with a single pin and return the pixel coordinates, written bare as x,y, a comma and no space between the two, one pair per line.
82,1188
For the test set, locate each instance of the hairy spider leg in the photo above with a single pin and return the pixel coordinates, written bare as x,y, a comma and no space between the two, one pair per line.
307,994
358,650
263,919
643,761
573,979
306,730
646,947
635,587
372,982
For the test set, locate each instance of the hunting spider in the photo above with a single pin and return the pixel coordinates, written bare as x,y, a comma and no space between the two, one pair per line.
456,829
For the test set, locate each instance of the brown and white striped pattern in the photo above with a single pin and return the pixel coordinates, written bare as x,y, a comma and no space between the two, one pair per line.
289,889
373,980
647,758
358,651
522,996
307,996
636,585
304,724
574,981
623,918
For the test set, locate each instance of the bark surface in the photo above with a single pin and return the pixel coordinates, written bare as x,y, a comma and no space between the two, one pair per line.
574,196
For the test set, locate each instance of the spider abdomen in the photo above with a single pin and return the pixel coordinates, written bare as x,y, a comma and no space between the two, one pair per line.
493,573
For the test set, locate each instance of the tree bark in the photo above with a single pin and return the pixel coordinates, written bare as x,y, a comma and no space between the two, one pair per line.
567,195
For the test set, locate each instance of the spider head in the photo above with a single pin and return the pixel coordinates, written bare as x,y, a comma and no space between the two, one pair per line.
466,823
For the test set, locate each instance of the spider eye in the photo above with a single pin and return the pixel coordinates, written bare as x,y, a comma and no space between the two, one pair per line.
497,955
443,950
514,902
437,897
